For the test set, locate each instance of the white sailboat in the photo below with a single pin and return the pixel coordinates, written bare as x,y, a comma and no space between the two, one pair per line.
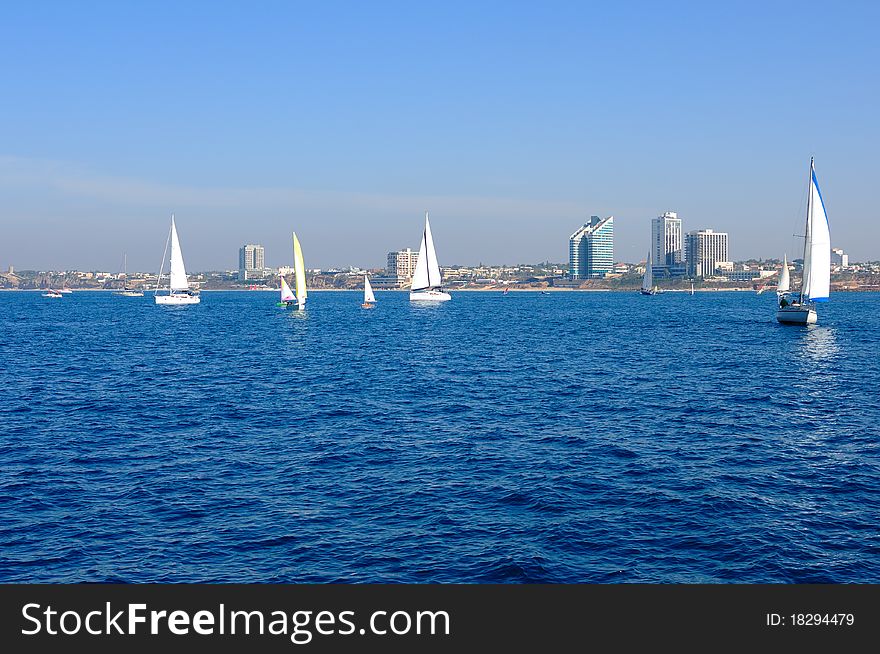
369,298
179,291
299,275
427,285
816,279
784,282
648,287
126,291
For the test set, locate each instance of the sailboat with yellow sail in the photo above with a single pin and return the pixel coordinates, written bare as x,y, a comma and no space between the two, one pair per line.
296,298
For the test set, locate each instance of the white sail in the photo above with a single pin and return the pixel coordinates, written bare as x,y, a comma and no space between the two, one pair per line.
369,298
427,273
784,281
817,251
286,293
299,272
648,279
178,271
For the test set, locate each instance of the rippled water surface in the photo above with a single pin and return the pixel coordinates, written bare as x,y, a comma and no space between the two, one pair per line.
571,437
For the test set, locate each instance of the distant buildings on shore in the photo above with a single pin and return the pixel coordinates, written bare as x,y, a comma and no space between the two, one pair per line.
402,264
667,246
251,262
591,249
675,254
701,254
705,249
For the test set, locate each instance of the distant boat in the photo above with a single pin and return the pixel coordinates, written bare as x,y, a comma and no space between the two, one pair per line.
784,282
288,299
369,298
64,290
126,291
648,279
506,290
692,288
51,293
545,292
299,275
178,289
427,285
800,308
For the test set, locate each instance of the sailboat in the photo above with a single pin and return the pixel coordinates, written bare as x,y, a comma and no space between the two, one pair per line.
692,288
288,299
648,279
179,291
816,279
126,291
427,285
369,298
299,276
784,282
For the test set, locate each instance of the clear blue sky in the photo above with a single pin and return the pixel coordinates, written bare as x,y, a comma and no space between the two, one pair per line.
511,122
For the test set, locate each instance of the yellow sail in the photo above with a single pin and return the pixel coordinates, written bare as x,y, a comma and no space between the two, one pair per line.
299,272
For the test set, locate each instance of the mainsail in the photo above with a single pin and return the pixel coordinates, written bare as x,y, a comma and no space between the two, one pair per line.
178,271
369,298
427,273
299,272
817,249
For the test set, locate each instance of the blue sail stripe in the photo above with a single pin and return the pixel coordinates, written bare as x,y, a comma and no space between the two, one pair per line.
819,191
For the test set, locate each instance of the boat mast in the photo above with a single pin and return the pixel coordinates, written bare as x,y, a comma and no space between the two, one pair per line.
164,254
807,231
427,263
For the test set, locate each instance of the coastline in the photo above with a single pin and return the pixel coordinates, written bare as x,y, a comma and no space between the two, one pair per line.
495,289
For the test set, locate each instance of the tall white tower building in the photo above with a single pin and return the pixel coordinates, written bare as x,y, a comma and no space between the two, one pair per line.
666,243
705,248
251,259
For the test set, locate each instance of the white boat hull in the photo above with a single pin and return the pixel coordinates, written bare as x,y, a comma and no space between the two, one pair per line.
429,296
177,299
797,315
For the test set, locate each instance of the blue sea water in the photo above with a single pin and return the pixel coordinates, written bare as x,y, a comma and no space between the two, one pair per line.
571,437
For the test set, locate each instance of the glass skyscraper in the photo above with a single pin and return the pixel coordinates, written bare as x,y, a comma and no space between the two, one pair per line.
591,249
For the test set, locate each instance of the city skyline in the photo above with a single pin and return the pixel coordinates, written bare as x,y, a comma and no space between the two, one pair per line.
509,122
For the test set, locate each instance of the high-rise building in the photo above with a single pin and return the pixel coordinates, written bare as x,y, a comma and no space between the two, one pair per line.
666,245
251,261
591,249
705,249
402,264
839,258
